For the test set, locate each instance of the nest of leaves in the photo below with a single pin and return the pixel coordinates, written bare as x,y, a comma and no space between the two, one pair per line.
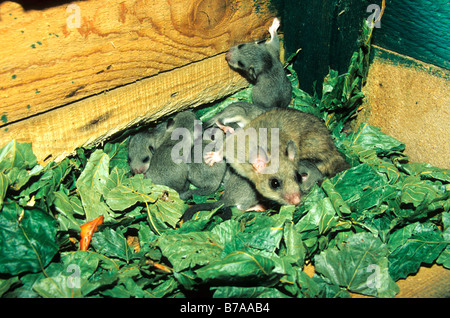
362,230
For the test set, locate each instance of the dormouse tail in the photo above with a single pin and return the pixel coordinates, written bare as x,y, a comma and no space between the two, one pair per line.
208,206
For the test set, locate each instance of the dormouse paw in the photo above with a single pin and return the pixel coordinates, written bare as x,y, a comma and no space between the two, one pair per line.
225,129
212,157
258,208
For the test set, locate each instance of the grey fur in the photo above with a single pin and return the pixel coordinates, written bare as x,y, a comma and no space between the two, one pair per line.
164,168
308,175
236,115
259,62
241,193
238,192
302,136
207,179
142,146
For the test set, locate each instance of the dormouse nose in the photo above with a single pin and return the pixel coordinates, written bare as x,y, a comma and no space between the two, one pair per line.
228,55
293,198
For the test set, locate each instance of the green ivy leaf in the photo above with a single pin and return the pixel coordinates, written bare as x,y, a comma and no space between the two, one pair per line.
360,265
163,205
18,163
112,243
4,184
189,249
28,239
413,245
90,186
73,277
238,268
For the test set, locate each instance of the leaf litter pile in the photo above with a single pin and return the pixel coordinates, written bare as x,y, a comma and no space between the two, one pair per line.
84,227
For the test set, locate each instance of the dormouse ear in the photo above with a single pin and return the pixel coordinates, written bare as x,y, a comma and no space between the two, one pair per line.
291,150
170,123
161,127
259,159
158,133
252,74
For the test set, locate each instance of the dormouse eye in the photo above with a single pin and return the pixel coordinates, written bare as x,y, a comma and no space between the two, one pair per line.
261,42
240,64
151,149
240,46
146,159
274,183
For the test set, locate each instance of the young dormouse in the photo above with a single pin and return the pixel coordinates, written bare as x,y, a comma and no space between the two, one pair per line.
272,167
141,148
260,63
308,176
266,157
207,179
241,193
144,145
235,115
312,137
168,165
238,192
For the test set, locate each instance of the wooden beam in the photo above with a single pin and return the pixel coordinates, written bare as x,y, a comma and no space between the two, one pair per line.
409,100
48,59
326,31
55,134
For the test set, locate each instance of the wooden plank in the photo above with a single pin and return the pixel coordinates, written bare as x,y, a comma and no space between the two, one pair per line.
409,100
327,31
57,133
429,282
47,60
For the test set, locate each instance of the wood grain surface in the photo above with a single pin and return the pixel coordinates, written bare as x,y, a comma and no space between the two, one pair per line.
409,100
56,134
64,85
47,61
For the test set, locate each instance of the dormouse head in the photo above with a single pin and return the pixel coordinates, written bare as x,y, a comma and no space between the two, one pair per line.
143,145
308,175
250,59
280,184
140,152
184,119
182,130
